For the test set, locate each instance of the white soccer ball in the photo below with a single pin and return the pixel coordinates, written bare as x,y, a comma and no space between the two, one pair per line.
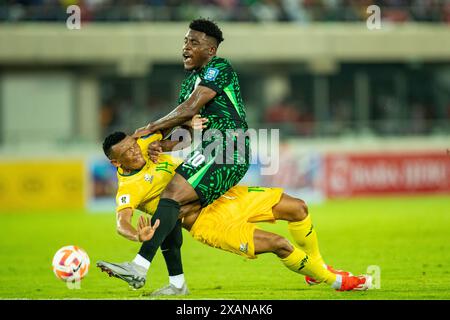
71,264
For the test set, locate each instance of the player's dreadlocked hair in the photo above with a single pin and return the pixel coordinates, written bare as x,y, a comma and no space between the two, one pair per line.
112,139
208,27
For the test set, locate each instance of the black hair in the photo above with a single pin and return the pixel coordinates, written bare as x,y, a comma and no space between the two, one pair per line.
208,27
111,140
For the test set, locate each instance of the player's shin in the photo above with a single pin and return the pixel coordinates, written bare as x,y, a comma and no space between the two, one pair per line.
300,262
305,236
167,212
171,250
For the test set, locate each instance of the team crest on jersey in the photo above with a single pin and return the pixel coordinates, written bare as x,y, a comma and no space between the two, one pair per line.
211,74
124,199
148,178
243,247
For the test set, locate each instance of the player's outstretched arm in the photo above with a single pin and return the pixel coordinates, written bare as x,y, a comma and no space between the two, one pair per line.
184,112
144,231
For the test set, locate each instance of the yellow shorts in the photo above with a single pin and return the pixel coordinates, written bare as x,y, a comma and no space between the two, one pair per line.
228,223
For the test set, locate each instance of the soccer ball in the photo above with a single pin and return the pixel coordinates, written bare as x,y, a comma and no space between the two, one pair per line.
71,264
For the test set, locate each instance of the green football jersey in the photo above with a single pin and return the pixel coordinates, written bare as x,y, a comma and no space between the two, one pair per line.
226,110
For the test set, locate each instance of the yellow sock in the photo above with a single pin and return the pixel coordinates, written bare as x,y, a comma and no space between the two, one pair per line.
305,236
298,261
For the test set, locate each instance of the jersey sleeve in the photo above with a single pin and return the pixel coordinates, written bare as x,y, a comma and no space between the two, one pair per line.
182,95
127,197
217,76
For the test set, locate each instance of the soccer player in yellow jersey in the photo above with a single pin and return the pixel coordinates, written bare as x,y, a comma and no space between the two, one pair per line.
228,223
140,183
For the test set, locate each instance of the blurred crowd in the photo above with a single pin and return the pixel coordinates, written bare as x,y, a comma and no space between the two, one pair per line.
301,11
295,118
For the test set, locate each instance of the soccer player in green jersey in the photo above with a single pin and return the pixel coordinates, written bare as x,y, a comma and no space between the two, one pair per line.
219,162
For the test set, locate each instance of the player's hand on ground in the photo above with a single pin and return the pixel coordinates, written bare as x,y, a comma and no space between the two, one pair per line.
198,123
154,149
145,229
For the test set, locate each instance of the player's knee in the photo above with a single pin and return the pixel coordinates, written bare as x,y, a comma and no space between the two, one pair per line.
169,191
182,194
280,245
301,211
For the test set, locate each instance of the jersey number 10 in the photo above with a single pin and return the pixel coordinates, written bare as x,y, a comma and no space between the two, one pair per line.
196,160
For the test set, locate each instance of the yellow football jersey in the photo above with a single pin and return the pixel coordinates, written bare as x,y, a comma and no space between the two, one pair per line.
141,190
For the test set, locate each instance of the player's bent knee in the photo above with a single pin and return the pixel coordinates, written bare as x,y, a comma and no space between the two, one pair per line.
170,192
298,210
301,211
180,191
281,245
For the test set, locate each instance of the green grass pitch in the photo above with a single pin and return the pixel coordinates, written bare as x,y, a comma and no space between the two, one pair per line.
408,238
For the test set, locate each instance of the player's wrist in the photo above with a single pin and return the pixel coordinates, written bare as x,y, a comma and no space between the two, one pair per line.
152,127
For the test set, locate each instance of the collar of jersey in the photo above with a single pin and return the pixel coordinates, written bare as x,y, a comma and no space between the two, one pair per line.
132,172
206,65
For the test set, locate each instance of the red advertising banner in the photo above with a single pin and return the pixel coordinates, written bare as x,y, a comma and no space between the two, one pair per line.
382,174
